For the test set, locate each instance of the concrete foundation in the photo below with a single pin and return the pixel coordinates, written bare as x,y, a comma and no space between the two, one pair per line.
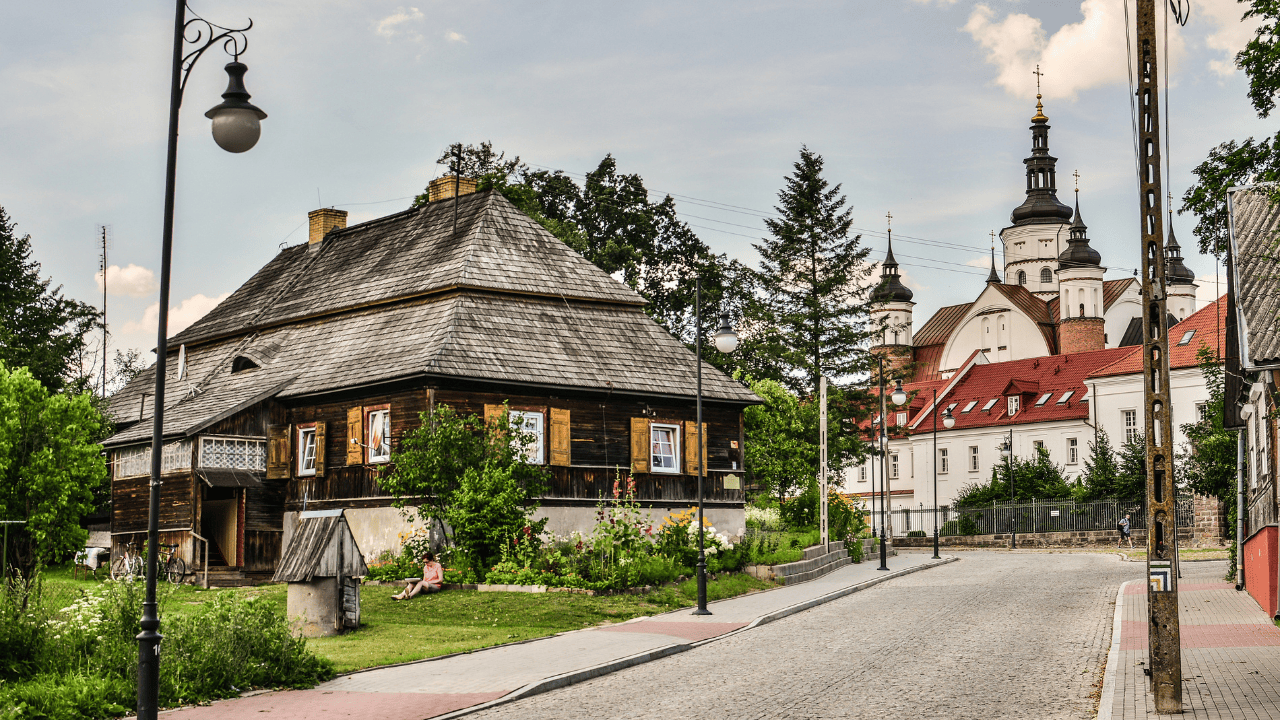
313,608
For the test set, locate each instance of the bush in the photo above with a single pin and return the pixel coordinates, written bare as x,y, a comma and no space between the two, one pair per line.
915,533
965,525
853,545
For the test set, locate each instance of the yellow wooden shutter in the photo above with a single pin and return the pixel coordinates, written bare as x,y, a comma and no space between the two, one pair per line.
278,455
355,436
320,449
691,446
640,445
560,447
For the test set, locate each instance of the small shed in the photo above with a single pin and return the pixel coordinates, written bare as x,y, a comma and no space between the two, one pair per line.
322,565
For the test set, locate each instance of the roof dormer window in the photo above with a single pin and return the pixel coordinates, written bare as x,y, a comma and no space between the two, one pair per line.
969,407
242,363
990,404
1014,404
1044,399
1186,337
1065,397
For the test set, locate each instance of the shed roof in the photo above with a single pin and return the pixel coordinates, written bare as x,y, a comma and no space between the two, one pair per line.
1255,252
321,545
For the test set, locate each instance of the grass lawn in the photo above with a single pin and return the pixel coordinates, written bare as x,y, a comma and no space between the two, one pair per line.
440,624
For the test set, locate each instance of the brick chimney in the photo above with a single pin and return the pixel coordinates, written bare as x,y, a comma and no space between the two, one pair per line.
1080,334
324,220
442,187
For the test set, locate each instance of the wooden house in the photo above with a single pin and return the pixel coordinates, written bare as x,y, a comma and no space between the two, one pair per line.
296,390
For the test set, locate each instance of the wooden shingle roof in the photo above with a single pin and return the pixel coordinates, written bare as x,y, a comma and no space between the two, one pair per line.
1255,252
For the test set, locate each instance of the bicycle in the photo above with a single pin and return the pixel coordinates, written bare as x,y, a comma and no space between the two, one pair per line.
127,565
131,565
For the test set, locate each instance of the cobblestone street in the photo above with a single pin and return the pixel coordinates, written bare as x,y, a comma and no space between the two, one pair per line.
995,635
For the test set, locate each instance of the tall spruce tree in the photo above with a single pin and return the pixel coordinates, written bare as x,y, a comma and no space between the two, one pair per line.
1098,481
810,316
40,329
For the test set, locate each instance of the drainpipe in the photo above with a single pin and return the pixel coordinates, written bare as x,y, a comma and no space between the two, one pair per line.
1240,441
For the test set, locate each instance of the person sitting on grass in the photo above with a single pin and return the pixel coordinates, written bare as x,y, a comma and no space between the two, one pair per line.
431,581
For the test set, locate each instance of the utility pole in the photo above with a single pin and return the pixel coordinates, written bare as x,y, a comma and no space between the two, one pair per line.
1164,635
104,310
822,460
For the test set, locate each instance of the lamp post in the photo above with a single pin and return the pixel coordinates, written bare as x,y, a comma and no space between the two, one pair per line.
1007,451
236,129
948,421
882,441
726,341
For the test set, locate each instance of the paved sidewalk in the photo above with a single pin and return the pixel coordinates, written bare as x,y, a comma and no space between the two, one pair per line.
1230,652
460,684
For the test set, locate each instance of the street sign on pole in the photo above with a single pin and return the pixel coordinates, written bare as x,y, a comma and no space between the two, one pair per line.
822,458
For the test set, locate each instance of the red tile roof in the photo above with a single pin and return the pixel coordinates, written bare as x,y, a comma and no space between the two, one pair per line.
1207,323
927,359
1054,374
939,327
1113,289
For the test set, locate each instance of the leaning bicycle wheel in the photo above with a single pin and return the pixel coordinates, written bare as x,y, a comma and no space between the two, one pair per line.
175,570
119,567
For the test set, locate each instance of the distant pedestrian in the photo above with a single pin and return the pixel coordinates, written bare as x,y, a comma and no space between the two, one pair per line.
1124,532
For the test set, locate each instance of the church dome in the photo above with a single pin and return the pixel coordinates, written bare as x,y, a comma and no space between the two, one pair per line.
890,288
1079,253
1042,204
1175,272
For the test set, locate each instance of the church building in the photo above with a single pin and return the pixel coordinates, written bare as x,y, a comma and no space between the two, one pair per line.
1051,299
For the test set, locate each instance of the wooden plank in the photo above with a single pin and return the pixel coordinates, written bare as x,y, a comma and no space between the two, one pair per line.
639,445
355,436
278,457
560,445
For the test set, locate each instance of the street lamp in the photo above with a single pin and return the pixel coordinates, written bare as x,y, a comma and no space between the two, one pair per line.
899,396
1006,451
236,129
948,422
726,341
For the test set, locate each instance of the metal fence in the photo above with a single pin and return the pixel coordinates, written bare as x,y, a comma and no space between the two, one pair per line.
1037,516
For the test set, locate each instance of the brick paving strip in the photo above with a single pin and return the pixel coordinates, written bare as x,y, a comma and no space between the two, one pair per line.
461,684
1230,652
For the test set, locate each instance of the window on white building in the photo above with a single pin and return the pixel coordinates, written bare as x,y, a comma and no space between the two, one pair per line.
1202,412
530,424
893,466
1014,402
665,443
1073,451
1046,275
862,473
902,418
944,463
1037,444
1044,399
973,458
1130,424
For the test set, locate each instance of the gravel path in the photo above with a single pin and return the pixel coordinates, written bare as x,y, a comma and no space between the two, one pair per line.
996,635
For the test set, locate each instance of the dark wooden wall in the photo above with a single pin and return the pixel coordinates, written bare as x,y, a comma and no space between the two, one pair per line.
600,437
130,502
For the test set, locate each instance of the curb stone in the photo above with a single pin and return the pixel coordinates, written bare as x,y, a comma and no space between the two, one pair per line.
576,676
1113,658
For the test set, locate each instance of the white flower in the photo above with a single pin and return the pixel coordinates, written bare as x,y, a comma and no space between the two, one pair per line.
712,550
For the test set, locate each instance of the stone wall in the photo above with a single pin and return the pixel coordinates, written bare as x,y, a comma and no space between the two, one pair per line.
1084,538
1211,520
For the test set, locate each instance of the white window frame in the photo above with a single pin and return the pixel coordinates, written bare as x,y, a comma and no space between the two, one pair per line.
902,418
973,458
305,470
1015,404
944,462
1065,397
990,404
534,423
1186,337
969,407
862,473
1043,399
654,428
893,466
1130,421
379,452
1073,451
1202,412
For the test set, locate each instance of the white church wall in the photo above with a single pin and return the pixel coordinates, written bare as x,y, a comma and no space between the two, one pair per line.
1016,333
1114,396
1117,317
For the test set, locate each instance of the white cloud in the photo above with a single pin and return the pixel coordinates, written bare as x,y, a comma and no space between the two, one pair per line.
1232,34
940,2
399,23
180,317
455,36
983,262
132,280
1079,56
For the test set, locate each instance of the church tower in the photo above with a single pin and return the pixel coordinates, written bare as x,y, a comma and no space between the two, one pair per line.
1041,223
1181,299
1081,326
891,303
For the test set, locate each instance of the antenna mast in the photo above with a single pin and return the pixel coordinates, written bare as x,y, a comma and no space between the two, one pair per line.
103,229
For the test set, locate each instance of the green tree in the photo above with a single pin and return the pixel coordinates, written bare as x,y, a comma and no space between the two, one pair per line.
1035,478
40,329
1249,161
1208,458
810,316
472,476
782,441
1131,481
50,463
1098,481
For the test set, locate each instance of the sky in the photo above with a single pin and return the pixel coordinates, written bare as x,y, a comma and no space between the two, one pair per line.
919,107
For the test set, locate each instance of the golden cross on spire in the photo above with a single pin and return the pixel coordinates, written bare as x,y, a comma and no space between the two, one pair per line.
1170,206
1039,116
889,217
1077,177
1038,75
993,239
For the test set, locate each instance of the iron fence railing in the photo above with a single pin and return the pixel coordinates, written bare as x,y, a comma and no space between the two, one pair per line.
1037,516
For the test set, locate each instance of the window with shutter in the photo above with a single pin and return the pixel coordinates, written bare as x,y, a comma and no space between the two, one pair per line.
640,445
320,438
306,450
691,446
560,442
355,436
279,456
